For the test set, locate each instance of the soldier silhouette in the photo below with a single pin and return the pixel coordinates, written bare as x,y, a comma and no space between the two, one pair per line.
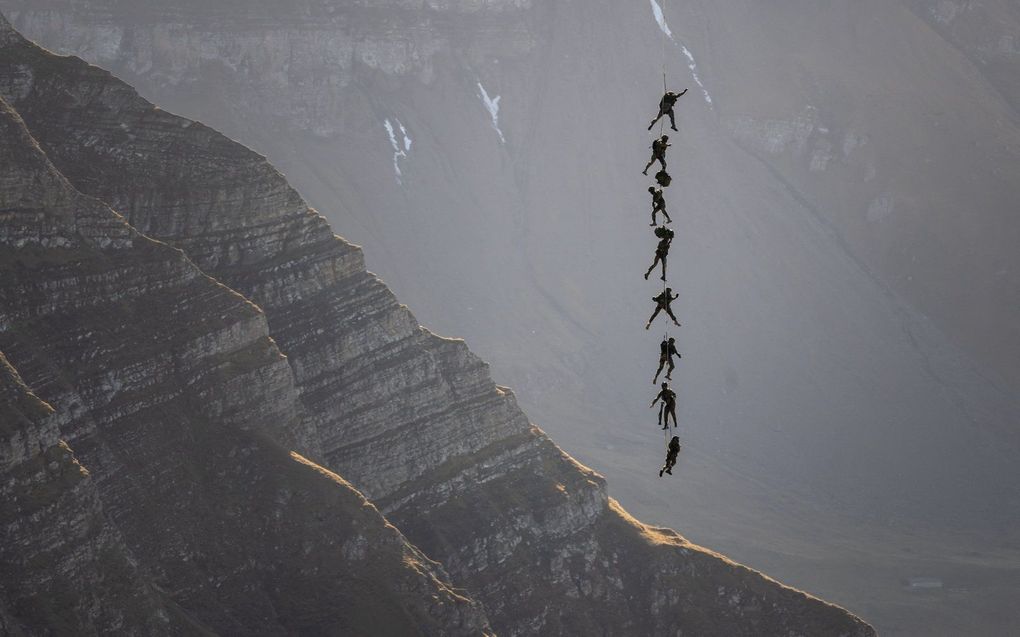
668,398
671,451
662,302
659,147
667,350
666,108
661,250
658,205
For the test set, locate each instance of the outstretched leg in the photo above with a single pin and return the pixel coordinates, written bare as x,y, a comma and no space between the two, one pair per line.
657,117
658,308
669,311
662,362
648,165
670,411
663,261
652,267
672,122
669,372
656,211
670,461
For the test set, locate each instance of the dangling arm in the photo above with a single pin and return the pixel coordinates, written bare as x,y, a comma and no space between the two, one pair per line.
657,397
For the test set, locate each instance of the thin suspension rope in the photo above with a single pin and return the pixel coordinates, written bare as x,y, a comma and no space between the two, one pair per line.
662,41
662,128
665,431
663,417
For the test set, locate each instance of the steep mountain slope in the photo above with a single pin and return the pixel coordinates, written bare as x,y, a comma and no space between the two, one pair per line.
986,32
411,418
487,154
173,395
52,516
908,148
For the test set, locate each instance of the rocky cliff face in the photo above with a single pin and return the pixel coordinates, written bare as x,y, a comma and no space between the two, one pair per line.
410,418
176,400
343,43
65,567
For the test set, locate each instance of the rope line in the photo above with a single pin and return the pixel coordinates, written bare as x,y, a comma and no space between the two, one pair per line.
663,413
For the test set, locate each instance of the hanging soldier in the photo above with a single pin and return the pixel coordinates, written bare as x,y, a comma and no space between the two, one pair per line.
658,205
662,302
668,408
671,452
659,147
667,350
661,250
666,108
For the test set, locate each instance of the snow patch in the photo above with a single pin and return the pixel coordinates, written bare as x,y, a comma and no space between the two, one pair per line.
492,105
694,73
660,18
407,138
399,150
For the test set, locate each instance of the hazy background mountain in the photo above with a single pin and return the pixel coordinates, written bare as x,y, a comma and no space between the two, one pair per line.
846,210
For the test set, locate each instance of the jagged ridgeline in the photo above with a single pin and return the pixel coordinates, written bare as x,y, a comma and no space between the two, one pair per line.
182,511
191,347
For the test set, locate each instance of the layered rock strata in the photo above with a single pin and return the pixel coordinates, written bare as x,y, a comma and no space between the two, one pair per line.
346,41
167,385
410,418
63,565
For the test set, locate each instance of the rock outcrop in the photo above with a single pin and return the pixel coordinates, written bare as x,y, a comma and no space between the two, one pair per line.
346,41
176,400
412,419
63,566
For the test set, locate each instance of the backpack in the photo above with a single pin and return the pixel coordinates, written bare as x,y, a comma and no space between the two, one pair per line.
662,178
